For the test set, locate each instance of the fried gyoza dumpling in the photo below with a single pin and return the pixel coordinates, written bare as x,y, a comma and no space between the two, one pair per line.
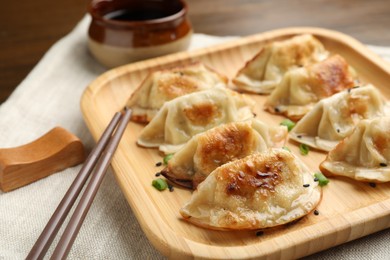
335,117
364,155
183,117
164,85
208,150
266,69
301,88
258,191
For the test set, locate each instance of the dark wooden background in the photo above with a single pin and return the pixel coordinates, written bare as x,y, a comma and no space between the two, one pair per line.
28,28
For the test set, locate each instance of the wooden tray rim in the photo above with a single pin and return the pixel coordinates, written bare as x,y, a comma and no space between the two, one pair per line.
180,247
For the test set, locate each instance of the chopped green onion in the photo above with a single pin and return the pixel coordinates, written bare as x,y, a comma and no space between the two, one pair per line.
160,184
287,122
286,148
322,180
167,158
304,149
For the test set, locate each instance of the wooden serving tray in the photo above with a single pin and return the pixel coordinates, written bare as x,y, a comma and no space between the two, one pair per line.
349,209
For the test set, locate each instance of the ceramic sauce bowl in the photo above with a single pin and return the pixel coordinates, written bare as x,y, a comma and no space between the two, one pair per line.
125,31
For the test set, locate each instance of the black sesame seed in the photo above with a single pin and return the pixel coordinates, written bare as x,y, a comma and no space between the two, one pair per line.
157,174
254,114
259,233
306,185
299,136
338,130
316,212
316,179
159,164
372,184
349,90
277,110
170,188
383,164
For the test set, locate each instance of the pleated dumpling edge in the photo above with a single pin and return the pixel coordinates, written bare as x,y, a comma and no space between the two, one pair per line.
335,117
364,155
264,71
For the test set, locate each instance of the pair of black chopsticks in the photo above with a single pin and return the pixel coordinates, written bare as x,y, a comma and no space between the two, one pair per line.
98,161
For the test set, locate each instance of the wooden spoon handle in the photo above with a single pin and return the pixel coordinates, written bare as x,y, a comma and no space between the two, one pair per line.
55,151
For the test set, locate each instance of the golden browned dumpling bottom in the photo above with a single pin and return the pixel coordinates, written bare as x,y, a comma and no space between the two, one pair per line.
225,143
262,190
300,89
164,85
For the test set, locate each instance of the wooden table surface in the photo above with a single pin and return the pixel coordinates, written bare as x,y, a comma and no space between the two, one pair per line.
29,28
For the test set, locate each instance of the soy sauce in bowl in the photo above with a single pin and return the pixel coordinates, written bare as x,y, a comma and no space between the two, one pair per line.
135,15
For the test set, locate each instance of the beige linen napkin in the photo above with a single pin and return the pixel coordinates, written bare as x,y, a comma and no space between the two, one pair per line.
49,97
